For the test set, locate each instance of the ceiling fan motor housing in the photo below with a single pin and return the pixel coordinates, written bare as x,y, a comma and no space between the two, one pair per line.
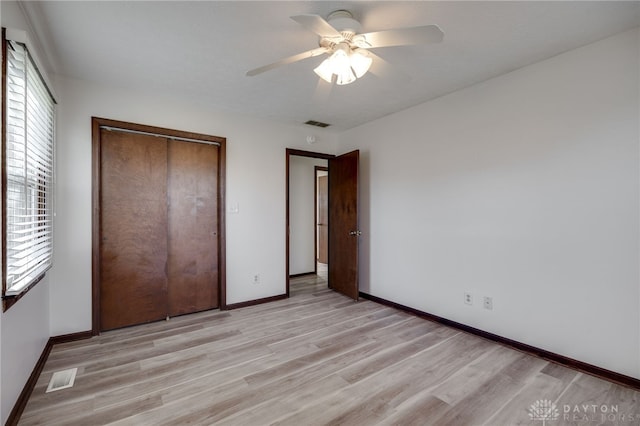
343,21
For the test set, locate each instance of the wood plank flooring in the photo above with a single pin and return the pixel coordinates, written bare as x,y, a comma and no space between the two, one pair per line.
316,358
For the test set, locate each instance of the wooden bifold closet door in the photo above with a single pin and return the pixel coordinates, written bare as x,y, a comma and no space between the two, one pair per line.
193,227
158,228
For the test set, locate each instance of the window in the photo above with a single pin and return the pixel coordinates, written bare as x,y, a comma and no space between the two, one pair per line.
28,172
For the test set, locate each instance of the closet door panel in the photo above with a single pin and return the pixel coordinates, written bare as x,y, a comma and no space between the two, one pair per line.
193,227
133,239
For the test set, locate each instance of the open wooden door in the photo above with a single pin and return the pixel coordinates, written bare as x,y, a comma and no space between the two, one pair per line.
343,224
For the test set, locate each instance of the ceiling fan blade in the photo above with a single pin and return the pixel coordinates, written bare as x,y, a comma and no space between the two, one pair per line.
295,58
316,24
380,67
385,71
402,37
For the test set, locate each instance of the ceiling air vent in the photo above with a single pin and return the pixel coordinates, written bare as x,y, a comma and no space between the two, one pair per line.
62,379
317,123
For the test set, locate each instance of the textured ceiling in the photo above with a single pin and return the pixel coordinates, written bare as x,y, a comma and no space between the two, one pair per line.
202,50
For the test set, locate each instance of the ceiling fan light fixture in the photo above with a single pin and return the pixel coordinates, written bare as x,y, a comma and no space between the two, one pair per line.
346,65
345,77
360,62
325,70
341,64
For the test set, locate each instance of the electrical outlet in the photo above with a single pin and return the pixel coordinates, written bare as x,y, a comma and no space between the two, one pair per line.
256,278
468,299
488,303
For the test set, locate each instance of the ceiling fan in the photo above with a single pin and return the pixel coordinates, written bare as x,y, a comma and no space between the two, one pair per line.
348,50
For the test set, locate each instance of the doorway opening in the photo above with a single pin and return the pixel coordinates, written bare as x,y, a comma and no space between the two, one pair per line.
321,215
305,247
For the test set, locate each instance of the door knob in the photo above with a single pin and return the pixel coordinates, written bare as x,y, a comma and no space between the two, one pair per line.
355,233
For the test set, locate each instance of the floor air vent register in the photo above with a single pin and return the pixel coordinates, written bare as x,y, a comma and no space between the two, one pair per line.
62,380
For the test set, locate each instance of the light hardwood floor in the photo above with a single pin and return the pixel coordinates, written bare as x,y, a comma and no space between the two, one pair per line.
315,358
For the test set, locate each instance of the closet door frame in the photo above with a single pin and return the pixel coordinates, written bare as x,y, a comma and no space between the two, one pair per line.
98,123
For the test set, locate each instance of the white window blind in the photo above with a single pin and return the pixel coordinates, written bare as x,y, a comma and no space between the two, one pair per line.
29,168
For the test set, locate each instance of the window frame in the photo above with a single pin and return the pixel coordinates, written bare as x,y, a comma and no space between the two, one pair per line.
39,186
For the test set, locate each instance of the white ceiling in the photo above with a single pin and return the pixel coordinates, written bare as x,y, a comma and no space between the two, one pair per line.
202,50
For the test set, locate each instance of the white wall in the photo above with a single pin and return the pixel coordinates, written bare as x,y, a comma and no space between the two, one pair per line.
255,182
24,328
302,227
25,332
524,188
